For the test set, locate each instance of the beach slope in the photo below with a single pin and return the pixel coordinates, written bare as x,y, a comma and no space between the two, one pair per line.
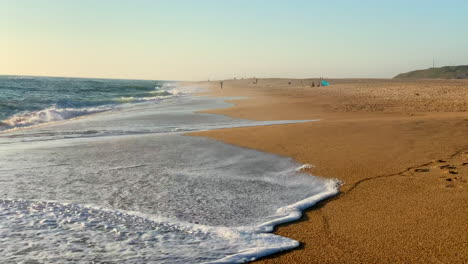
400,146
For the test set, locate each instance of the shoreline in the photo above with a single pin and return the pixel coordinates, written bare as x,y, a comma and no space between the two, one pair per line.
130,155
386,144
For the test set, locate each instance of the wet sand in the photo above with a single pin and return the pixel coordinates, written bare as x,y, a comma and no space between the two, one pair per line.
401,148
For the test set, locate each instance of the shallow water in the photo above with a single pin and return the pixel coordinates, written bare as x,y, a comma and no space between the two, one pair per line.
127,186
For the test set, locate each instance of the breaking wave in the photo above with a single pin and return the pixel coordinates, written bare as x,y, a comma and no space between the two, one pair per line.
48,115
27,101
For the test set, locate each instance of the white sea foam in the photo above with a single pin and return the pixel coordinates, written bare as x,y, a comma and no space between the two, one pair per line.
54,232
51,114
188,199
130,99
182,89
304,167
142,192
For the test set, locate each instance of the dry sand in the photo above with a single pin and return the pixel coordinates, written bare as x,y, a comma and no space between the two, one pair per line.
401,147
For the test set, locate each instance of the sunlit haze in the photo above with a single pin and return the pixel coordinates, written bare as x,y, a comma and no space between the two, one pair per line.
199,40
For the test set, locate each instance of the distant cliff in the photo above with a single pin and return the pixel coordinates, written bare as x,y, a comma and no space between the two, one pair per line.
447,72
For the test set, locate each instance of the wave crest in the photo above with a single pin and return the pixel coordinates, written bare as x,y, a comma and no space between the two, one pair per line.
51,114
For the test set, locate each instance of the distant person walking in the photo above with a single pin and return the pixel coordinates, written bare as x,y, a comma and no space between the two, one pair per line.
221,83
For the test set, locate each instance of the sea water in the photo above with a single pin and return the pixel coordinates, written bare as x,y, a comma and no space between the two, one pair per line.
125,185
28,100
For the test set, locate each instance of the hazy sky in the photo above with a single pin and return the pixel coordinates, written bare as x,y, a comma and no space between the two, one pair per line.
201,39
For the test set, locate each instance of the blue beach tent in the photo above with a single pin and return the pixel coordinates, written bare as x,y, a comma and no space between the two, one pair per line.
324,83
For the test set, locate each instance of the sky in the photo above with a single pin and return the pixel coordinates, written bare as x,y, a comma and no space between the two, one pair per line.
223,39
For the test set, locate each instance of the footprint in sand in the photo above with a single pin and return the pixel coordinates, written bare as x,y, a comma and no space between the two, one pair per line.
449,167
452,171
421,170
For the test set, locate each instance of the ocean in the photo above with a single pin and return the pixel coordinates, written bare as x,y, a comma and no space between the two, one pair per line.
100,171
26,101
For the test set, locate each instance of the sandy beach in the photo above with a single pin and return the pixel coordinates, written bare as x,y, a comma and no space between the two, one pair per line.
400,147
234,132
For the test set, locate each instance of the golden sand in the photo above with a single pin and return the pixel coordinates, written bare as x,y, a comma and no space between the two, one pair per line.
401,148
